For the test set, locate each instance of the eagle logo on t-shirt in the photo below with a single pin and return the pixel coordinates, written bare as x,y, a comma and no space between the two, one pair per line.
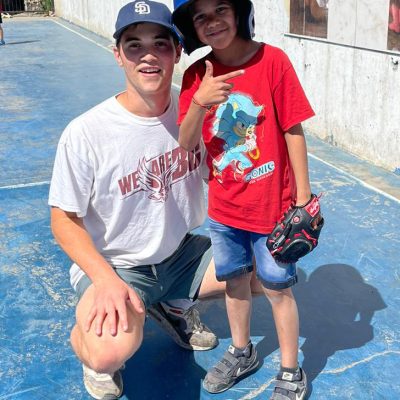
156,175
158,186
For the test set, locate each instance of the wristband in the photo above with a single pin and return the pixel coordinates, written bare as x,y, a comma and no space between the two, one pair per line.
307,202
208,108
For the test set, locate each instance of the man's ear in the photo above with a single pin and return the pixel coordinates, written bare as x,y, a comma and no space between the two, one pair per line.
117,55
178,53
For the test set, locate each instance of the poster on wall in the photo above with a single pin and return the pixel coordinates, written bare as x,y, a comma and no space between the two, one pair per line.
394,26
309,17
368,24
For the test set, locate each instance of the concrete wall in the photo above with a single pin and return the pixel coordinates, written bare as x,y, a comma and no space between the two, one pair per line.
355,92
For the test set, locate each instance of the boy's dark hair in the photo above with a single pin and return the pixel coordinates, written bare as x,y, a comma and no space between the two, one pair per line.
182,18
244,8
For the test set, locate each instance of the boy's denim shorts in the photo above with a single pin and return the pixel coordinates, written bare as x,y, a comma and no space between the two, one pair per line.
234,249
177,277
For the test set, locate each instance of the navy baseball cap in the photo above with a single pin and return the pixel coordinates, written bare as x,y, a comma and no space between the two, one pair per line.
143,11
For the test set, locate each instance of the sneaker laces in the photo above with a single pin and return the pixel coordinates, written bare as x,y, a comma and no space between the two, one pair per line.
192,318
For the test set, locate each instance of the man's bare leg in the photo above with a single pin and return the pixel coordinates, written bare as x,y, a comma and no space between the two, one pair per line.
105,353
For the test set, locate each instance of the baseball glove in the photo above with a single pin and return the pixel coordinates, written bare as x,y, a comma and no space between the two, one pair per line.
297,233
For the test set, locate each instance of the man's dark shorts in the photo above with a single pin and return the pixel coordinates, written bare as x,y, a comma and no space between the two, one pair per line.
177,277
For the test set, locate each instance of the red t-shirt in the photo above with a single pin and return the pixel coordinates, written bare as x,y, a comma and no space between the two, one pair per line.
251,182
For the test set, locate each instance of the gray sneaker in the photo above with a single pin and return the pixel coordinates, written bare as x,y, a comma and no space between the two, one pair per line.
102,386
234,365
290,386
184,326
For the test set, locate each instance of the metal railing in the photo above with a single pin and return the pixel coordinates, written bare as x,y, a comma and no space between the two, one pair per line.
15,6
11,6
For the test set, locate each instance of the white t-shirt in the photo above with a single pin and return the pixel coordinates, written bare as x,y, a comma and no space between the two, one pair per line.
137,191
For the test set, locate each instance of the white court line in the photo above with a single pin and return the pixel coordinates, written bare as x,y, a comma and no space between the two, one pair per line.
9,395
83,36
24,185
360,181
176,86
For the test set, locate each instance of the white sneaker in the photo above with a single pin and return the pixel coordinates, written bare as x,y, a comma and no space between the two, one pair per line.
184,326
102,386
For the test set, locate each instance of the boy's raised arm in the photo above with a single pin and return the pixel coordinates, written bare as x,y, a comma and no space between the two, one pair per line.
213,90
191,127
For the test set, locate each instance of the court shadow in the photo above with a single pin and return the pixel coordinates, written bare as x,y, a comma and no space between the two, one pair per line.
336,307
161,369
23,42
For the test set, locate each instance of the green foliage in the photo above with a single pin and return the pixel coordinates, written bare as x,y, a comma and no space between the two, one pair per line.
47,5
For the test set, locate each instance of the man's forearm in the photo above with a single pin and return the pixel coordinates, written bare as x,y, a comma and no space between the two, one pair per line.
71,234
111,292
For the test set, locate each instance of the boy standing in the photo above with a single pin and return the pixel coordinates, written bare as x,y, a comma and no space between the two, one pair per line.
246,103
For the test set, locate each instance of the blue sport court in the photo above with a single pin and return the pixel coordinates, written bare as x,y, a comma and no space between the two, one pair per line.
348,294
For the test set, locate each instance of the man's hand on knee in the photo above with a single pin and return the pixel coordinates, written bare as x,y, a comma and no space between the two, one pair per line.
110,306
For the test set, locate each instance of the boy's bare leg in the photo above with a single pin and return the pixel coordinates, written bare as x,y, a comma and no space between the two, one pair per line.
105,353
211,288
238,306
241,358
284,309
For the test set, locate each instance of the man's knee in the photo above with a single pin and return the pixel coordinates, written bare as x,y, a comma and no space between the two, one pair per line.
105,362
106,354
111,359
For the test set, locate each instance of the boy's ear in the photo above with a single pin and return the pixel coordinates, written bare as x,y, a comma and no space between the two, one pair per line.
178,53
117,55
